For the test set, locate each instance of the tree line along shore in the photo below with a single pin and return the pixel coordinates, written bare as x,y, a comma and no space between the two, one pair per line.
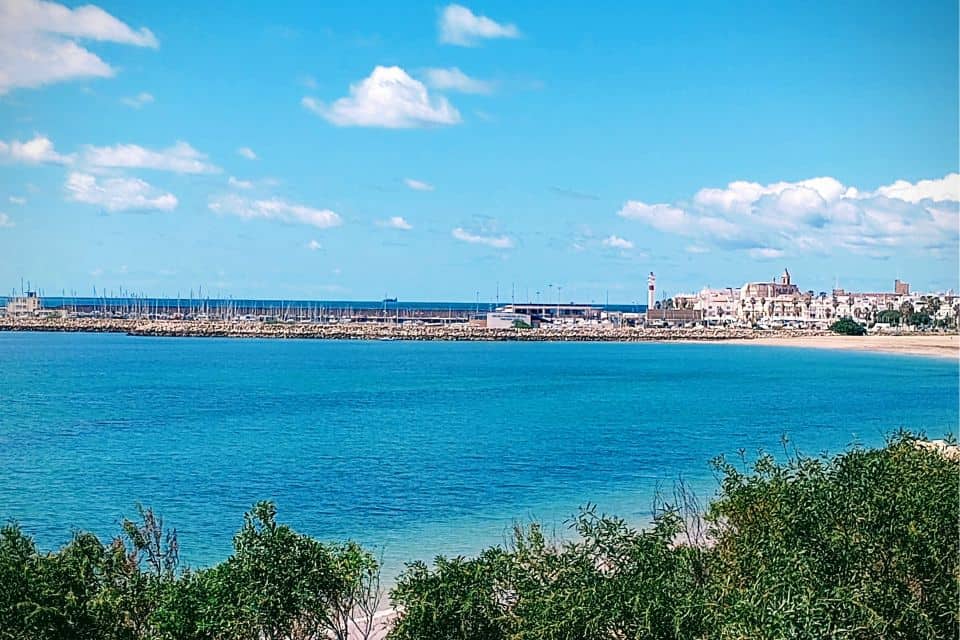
858,546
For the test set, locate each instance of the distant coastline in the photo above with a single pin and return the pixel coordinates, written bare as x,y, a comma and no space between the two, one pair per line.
941,345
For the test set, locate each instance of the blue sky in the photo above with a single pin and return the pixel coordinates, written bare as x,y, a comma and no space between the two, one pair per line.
430,151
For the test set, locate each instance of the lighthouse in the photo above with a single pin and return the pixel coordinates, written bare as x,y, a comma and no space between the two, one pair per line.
651,290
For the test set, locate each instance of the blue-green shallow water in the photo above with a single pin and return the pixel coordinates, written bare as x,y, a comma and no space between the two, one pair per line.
414,448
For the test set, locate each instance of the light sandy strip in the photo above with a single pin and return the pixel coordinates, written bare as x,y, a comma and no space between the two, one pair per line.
933,345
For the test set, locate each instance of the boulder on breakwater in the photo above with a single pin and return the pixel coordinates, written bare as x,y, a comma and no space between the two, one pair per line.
384,331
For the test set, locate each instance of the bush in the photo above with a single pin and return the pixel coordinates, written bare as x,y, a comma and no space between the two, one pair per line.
919,319
889,316
859,546
848,327
277,584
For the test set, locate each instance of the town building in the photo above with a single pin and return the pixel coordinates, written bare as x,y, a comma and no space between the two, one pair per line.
25,305
781,303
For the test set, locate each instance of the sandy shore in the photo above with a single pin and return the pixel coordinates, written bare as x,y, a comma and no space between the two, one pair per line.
933,345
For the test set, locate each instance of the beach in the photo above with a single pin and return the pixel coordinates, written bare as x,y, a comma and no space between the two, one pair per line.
937,345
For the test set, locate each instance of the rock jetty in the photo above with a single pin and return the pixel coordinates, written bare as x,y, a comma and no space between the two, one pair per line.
384,331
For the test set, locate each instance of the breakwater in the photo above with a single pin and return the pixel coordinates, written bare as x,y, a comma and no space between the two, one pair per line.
386,331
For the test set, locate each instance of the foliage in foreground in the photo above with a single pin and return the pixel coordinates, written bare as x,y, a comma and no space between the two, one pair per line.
860,546
277,584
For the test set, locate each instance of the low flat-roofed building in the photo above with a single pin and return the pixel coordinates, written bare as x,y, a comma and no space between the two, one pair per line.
674,316
554,311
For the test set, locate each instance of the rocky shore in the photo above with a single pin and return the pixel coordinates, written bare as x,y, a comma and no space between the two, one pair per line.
377,331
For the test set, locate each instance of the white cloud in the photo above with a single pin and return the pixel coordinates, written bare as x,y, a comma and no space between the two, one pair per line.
180,158
275,209
453,79
17,200
765,253
739,196
417,185
313,245
659,216
5,221
497,242
38,150
239,184
387,98
138,101
247,153
118,194
818,215
944,189
460,26
616,242
39,42
397,222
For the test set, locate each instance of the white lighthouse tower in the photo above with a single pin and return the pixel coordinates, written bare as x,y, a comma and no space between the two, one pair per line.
651,290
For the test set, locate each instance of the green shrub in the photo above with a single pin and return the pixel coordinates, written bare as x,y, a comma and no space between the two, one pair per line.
859,546
848,327
889,316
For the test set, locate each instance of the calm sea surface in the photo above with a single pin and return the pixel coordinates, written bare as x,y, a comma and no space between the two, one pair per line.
413,448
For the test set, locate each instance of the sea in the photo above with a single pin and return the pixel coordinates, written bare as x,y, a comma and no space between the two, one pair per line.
416,449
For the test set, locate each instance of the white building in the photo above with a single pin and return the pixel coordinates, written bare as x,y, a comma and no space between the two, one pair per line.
506,320
25,305
780,303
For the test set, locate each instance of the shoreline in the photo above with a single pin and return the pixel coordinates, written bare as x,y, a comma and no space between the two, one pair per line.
379,331
938,345
941,346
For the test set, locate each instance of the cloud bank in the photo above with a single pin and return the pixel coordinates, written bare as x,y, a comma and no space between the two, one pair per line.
819,215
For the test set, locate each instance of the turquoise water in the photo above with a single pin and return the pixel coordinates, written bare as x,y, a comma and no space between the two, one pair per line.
413,448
